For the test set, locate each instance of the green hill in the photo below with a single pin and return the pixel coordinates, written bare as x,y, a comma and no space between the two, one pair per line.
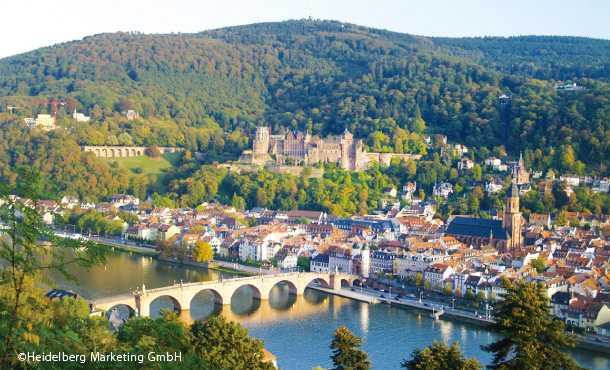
207,91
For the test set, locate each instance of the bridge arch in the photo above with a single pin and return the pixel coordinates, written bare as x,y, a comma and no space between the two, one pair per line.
320,281
205,303
357,282
292,288
240,304
215,294
256,292
165,302
345,283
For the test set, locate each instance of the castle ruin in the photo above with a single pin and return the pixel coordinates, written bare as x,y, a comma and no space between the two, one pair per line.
304,149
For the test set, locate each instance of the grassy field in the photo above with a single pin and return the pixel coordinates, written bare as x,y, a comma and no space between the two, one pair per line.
147,165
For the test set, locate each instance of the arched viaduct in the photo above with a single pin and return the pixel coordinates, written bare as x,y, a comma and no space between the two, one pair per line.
223,290
106,151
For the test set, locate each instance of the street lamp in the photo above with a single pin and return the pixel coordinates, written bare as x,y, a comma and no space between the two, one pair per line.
420,295
453,303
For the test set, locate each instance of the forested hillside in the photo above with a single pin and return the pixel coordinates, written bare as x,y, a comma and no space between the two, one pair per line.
207,91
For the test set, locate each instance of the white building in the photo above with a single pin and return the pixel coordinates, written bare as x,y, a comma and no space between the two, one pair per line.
437,274
465,164
571,180
319,263
443,189
288,261
493,187
412,263
45,122
80,117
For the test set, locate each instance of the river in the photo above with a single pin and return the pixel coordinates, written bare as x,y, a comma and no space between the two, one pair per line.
298,330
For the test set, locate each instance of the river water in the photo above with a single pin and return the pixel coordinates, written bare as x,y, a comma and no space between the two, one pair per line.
298,330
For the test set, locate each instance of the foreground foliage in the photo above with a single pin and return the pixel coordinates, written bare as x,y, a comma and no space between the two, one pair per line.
439,356
532,337
346,352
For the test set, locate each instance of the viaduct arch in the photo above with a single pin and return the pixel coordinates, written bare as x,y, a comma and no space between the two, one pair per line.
109,151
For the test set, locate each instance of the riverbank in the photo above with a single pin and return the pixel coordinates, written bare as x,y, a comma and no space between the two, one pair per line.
227,270
146,251
212,265
347,294
591,343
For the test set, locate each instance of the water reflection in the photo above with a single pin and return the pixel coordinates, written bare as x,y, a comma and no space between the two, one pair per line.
282,297
245,301
297,329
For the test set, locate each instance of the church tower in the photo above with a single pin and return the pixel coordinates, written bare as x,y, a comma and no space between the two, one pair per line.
512,220
520,173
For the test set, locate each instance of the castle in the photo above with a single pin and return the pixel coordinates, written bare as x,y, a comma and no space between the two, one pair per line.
305,149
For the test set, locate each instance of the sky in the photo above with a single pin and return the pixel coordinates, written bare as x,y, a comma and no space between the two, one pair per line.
29,24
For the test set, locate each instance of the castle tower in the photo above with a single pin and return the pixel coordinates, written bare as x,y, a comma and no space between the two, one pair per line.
260,146
347,150
512,220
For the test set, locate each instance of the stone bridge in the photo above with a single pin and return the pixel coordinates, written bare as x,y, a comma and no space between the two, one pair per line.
182,294
124,151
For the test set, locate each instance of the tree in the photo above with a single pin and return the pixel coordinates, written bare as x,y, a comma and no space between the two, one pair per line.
203,251
163,334
153,152
303,263
22,258
226,345
347,354
539,264
419,279
418,125
427,284
532,338
477,172
447,289
439,356
238,202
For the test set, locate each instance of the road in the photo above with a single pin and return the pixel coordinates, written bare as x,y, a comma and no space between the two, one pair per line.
425,304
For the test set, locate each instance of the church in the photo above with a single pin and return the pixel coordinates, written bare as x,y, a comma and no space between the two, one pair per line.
505,234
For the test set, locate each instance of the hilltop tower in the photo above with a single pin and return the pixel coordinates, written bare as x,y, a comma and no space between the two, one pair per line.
512,221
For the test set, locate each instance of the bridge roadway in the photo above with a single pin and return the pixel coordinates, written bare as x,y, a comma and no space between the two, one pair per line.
183,293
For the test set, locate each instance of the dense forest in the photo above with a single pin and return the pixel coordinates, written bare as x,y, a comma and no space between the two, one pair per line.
207,91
